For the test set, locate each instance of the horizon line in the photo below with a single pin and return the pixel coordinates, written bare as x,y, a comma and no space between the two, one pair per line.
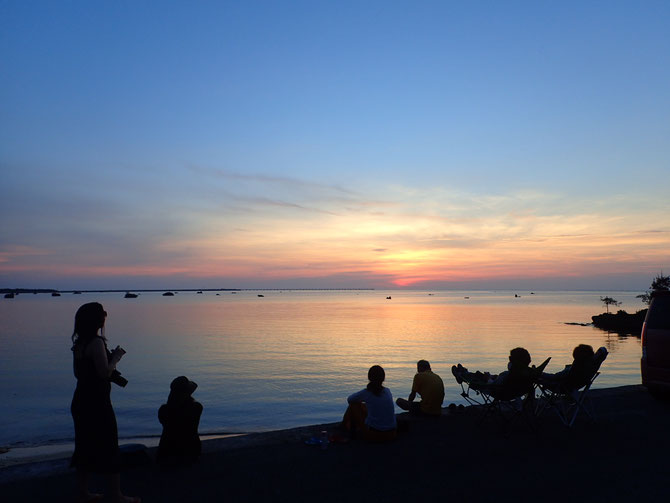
268,289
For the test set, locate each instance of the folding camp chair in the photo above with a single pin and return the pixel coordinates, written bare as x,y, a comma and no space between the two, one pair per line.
509,401
570,395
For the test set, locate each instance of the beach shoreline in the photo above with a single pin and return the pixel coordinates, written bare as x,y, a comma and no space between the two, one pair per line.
305,341
617,457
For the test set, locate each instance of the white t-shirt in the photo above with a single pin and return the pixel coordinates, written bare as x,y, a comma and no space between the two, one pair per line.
381,412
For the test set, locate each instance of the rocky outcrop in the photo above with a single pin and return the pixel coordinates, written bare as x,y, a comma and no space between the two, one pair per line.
622,321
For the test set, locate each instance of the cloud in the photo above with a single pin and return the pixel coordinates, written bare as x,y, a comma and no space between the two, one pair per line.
264,201
9,252
287,183
255,228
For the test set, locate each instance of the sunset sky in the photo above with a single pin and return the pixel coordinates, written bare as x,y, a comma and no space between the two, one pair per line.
334,144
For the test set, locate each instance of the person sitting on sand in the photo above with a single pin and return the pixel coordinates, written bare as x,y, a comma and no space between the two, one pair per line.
517,369
370,411
180,417
430,388
578,374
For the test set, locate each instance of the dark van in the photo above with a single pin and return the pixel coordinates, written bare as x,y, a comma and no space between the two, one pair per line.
655,363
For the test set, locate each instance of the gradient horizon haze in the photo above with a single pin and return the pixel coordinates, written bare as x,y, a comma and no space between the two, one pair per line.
334,144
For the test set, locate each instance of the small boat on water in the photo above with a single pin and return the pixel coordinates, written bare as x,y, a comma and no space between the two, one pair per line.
9,295
168,294
129,295
76,292
261,295
199,291
55,294
388,298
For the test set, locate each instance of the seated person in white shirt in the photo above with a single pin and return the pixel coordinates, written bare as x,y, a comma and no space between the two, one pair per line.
371,411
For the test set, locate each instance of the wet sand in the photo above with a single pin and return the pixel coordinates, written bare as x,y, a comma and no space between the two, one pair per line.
622,456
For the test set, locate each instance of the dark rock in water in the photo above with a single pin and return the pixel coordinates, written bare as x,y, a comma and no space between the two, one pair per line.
168,294
578,324
9,296
129,295
621,322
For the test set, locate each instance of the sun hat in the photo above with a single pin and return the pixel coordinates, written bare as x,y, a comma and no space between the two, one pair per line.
182,384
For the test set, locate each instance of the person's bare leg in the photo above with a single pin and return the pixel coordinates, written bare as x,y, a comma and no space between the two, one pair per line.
402,403
115,494
82,483
354,418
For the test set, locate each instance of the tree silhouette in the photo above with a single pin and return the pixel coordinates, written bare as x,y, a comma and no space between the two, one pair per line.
609,301
660,283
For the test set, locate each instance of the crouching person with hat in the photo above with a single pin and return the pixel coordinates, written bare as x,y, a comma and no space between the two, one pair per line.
180,417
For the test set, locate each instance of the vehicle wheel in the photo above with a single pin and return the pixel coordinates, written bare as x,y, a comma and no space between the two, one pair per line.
659,393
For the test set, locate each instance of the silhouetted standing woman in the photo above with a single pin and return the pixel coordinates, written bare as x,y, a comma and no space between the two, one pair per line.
96,446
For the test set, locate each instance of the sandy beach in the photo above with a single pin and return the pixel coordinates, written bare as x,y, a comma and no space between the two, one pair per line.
621,456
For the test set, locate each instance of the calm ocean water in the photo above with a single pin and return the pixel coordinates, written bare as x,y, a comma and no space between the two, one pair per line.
287,359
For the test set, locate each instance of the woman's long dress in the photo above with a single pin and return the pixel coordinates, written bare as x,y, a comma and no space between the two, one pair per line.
96,444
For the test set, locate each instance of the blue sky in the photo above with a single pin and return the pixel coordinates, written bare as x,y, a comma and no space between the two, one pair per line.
423,144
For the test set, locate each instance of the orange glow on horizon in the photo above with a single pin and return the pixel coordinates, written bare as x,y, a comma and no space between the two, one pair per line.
383,249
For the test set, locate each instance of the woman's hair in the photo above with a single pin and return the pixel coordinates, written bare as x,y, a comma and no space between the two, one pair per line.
519,358
376,376
88,319
583,352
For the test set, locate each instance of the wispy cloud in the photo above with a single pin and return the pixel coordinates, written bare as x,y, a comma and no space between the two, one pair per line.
283,228
10,252
252,203
284,181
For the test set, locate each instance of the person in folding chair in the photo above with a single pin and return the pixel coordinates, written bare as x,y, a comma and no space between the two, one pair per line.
573,376
517,370
561,391
512,391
